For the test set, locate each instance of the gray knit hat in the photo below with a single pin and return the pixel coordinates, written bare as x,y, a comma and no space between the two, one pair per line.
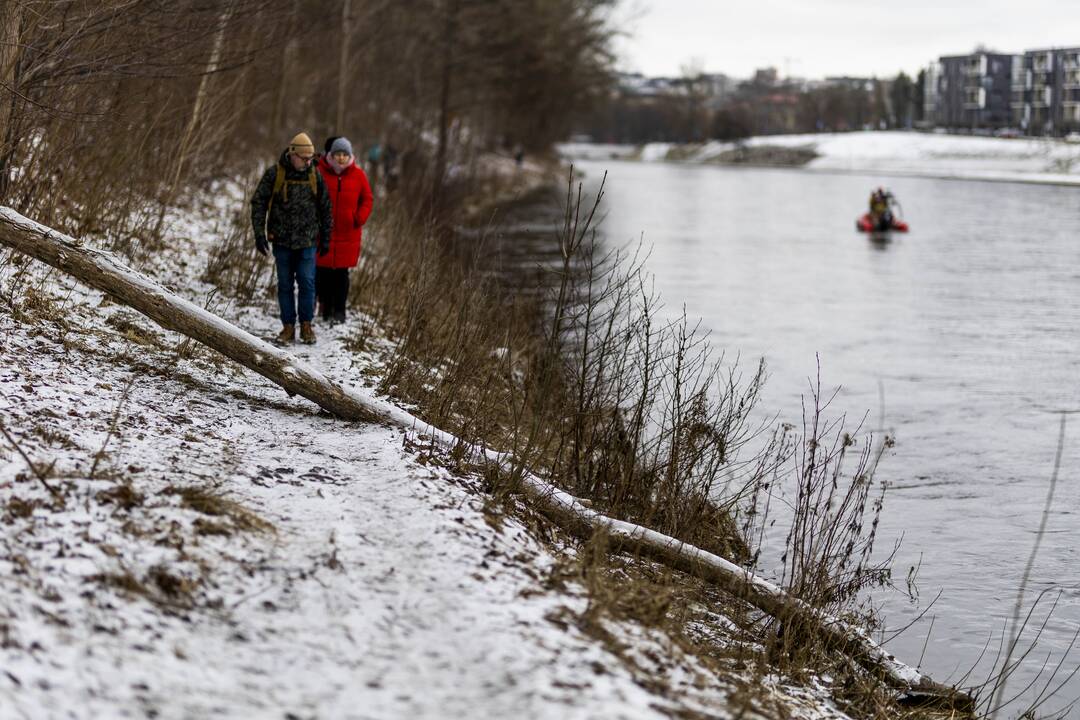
341,145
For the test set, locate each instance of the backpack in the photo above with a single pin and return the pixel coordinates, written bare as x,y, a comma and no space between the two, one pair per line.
281,185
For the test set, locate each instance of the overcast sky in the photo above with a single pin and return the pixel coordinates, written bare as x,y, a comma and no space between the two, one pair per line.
816,38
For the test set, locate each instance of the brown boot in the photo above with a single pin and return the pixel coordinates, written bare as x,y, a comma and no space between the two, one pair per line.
287,335
307,334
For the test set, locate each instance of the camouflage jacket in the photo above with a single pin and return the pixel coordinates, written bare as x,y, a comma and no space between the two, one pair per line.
297,218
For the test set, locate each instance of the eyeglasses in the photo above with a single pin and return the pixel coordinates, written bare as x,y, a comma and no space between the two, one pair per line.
304,158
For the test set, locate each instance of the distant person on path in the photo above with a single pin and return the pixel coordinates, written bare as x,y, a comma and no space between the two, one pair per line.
374,157
352,201
290,210
390,167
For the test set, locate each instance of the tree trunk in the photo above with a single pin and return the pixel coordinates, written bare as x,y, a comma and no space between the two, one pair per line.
188,142
239,92
441,151
10,24
101,270
279,118
343,64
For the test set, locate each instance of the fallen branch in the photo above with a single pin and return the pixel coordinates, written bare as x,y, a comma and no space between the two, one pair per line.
103,271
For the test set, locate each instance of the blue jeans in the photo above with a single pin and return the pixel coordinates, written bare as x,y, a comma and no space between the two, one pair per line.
295,269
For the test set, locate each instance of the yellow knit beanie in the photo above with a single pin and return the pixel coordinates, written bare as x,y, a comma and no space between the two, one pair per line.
301,145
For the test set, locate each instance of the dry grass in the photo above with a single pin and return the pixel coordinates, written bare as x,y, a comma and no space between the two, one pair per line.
132,330
18,509
728,638
215,504
123,495
160,586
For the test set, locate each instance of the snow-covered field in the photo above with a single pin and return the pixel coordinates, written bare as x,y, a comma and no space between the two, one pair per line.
890,152
223,550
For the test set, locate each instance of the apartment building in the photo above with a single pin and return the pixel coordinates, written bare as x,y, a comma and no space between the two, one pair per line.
971,91
1045,95
931,98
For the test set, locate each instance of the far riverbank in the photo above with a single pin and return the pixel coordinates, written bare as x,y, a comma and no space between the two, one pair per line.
887,153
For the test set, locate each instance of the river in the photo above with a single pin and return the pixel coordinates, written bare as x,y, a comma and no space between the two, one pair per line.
962,338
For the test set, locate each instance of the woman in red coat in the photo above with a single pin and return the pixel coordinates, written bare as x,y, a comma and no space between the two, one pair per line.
351,199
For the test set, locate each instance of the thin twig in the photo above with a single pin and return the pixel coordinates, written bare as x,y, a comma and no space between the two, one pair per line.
112,427
37,472
1030,563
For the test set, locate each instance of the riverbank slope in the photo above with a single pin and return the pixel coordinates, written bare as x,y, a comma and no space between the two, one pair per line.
181,539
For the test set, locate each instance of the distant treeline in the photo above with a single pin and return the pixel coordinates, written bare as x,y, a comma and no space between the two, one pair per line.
106,103
690,111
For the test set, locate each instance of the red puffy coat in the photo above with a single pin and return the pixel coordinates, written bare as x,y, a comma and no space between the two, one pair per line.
351,199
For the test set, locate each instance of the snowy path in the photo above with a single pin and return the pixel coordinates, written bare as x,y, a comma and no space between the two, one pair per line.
383,592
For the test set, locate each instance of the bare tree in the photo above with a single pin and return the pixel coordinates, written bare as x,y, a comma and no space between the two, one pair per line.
10,25
129,87
190,143
343,64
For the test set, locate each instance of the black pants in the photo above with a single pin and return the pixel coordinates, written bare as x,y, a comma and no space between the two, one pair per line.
332,289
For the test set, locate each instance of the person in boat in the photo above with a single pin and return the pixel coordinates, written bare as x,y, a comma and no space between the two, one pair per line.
881,214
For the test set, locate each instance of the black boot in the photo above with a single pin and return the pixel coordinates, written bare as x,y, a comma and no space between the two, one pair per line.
322,294
340,293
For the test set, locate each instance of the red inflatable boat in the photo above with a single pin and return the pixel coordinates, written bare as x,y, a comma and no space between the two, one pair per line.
866,224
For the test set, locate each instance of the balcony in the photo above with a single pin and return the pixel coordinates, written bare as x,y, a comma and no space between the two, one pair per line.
974,99
1043,62
974,66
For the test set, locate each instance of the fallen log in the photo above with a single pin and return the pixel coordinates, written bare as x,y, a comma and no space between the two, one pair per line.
101,270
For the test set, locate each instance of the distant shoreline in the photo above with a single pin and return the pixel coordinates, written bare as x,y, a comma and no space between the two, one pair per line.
1032,161
1016,179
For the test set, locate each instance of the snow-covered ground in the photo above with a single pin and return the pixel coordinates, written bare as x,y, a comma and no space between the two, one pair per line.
223,550
892,152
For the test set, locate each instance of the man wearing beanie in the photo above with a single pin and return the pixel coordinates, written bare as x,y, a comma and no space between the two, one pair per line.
290,210
352,200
